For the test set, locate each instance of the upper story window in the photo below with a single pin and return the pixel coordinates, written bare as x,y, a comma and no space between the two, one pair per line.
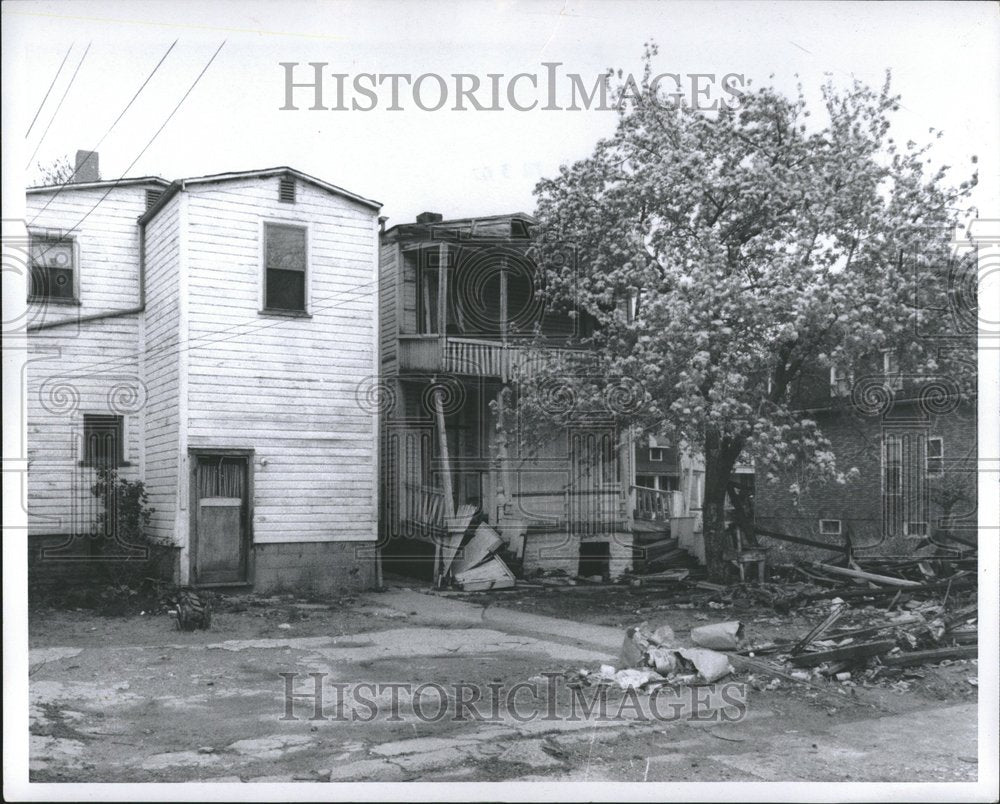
656,454
890,368
53,268
285,267
103,441
935,457
841,380
892,466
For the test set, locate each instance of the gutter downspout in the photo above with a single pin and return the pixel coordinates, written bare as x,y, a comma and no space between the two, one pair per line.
117,313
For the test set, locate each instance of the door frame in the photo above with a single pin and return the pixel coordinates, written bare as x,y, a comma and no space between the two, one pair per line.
194,453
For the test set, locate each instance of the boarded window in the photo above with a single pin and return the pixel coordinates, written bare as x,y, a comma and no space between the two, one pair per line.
286,190
52,267
103,441
285,267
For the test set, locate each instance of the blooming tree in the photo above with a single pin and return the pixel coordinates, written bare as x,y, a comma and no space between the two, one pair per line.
727,255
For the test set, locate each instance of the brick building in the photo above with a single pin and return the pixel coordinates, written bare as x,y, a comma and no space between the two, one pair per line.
913,444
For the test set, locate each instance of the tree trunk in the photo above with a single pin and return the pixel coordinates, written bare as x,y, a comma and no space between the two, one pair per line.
721,454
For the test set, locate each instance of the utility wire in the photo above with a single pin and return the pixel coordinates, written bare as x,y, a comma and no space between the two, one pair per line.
59,105
42,104
55,195
145,148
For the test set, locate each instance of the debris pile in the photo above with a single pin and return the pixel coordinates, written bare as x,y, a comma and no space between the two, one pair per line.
652,659
471,557
919,633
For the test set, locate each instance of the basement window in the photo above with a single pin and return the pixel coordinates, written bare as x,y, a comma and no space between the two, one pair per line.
285,267
286,190
103,441
53,269
830,527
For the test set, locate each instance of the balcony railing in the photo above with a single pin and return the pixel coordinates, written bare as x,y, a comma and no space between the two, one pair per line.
471,356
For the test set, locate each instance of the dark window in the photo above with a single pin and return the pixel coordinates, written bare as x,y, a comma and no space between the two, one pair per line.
152,196
102,441
285,267
935,457
830,527
286,190
892,466
51,268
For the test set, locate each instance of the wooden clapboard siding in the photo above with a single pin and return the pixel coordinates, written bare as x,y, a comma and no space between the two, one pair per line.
388,313
286,387
162,367
86,367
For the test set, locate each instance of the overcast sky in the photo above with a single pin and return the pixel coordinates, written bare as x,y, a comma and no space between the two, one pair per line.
945,59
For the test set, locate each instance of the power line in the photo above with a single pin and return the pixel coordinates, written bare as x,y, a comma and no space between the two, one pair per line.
42,104
55,195
115,184
59,105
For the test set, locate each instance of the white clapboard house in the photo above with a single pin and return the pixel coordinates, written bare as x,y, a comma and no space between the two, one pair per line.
211,336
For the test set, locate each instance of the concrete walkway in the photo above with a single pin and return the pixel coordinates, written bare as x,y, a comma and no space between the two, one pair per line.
438,608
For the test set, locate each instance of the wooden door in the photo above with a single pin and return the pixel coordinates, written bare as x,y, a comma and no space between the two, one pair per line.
221,534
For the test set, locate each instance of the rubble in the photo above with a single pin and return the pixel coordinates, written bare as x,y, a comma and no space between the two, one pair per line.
718,636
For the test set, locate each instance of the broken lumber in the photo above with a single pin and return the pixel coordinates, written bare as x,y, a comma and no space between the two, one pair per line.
927,656
491,574
818,631
865,576
484,542
848,653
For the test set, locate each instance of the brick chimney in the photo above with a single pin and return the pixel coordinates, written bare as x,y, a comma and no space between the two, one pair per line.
86,167
430,217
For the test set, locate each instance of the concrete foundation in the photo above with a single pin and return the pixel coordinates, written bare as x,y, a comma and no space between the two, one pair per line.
314,567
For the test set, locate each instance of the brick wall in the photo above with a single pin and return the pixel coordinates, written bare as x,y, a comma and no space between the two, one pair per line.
858,504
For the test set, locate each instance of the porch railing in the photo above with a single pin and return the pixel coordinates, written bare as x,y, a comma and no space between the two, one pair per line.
652,505
423,507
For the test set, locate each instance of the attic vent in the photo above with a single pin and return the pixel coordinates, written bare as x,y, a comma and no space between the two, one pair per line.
286,190
152,196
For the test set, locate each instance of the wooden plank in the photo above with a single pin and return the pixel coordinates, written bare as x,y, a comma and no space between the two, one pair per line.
847,653
865,576
445,476
484,542
491,574
816,632
935,655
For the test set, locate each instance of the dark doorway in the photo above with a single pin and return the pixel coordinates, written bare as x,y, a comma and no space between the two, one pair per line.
595,559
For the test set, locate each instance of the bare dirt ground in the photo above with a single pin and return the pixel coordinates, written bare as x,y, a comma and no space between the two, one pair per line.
133,699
